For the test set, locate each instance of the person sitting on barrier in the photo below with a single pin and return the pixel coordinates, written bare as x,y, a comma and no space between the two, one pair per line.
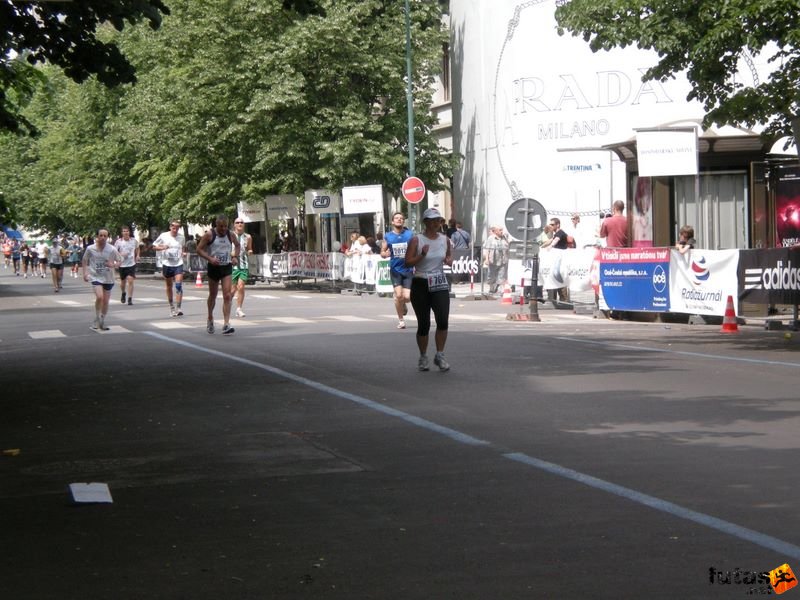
686,239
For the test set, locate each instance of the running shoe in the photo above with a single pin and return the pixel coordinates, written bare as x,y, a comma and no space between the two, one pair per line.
240,313
440,362
179,312
103,326
124,297
130,301
401,324
173,312
95,325
210,327
227,329
422,365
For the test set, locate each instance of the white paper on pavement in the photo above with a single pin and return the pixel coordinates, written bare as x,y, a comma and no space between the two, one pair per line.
90,492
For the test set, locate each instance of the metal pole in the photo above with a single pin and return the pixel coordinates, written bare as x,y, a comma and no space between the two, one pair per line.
410,104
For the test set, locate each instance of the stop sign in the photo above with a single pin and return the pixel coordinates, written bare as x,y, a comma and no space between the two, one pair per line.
413,190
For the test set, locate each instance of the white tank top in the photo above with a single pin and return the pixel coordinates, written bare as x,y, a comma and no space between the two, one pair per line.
433,261
220,247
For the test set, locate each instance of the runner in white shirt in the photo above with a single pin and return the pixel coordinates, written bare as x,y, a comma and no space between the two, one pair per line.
220,247
99,262
171,246
128,249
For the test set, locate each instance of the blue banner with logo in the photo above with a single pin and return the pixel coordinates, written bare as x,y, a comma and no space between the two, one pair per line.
635,279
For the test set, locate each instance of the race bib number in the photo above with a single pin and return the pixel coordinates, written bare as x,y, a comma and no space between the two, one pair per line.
173,253
100,267
223,258
399,250
437,282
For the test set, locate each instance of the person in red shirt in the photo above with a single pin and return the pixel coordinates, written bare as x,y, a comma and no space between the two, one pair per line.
615,228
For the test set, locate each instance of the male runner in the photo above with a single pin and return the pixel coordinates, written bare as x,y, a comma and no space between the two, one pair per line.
128,249
394,247
220,247
241,271
171,245
99,261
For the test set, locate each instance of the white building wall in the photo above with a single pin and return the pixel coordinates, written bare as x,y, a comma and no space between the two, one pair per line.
522,95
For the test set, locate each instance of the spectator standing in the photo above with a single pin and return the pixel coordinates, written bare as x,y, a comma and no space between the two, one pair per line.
559,241
615,228
495,258
460,237
428,252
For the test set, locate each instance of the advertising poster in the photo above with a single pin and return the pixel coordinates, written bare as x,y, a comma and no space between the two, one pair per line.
701,280
769,276
642,212
787,207
635,279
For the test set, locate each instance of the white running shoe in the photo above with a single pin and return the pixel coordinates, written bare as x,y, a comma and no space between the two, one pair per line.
240,313
401,324
210,327
422,365
227,329
440,362
173,312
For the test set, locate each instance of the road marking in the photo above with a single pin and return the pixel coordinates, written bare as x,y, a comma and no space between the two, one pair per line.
765,541
348,318
291,320
298,297
170,325
758,361
263,296
46,334
69,302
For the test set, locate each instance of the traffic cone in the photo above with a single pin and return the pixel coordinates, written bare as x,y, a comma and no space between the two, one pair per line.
506,299
199,281
729,324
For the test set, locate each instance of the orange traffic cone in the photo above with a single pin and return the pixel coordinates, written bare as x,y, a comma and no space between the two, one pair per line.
729,324
199,281
506,299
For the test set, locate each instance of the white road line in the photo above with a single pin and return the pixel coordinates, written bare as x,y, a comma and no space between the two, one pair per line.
69,302
263,296
170,325
347,318
291,320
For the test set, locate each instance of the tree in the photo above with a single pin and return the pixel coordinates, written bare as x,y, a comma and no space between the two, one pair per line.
63,34
707,39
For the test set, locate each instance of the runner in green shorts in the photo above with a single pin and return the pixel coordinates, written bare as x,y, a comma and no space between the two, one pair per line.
241,272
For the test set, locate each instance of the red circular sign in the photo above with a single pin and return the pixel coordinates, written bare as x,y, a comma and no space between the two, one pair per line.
413,190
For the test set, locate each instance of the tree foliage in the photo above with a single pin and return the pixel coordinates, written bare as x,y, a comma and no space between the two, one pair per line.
63,34
706,39
234,99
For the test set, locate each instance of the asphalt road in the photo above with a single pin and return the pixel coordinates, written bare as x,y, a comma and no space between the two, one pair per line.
306,457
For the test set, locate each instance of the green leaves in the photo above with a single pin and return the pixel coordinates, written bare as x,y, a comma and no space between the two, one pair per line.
234,99
707,39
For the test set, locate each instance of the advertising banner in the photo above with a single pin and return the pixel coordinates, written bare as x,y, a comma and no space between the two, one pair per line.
362,199
787,206
282,207
700,281
322,202
635,279
769,276
251,212
667,152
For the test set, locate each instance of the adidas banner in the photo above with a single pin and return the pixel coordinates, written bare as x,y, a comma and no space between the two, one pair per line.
769,276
